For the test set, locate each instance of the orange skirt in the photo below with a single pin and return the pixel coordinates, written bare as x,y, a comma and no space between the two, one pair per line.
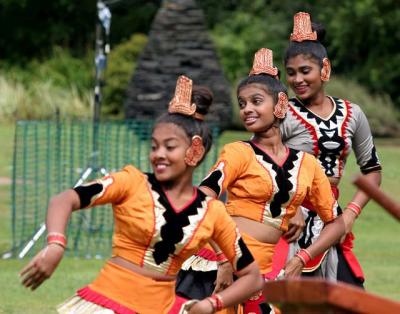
117,285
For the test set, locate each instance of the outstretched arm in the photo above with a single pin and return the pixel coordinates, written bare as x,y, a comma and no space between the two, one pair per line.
42,266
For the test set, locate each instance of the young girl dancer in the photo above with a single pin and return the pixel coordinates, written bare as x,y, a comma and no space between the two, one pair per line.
266,181
329,128
160,220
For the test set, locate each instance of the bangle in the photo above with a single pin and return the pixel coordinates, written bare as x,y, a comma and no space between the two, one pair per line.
354,207
57,244
304,256
220,302
57,238
213,303
221,258
222,262
216,302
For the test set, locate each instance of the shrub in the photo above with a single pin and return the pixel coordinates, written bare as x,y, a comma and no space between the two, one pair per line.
41,100
61,68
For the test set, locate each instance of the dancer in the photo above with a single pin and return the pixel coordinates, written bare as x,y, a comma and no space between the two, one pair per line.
267,181
160,220
329,128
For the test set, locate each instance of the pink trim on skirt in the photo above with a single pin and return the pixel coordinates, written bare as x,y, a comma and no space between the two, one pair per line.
97,298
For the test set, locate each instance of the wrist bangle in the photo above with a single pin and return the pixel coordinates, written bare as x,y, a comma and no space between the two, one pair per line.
219,263
354,207
221,258
213,303
57,238
217,302
56,243
220,302
304,256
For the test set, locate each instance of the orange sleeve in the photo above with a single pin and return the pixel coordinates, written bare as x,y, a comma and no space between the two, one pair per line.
114,188
320,195
228,238
230,165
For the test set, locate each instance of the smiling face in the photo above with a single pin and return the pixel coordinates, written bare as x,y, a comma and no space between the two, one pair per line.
303,75
256,107
169,144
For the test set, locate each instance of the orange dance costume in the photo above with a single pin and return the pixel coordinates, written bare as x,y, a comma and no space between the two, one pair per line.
152,234
261,190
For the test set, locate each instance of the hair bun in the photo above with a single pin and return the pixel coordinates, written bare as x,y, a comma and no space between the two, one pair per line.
320,30
203,98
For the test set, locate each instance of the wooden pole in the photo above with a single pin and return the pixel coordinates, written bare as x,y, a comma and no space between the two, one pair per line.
379,196
316,296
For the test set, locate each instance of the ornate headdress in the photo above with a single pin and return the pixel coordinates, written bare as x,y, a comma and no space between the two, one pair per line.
263,63
182,100
302,29
182,103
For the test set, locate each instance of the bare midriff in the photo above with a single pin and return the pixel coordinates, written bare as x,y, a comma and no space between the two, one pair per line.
257,230
139,270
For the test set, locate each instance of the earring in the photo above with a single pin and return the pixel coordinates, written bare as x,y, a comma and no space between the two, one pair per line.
195,152
281,106
326,70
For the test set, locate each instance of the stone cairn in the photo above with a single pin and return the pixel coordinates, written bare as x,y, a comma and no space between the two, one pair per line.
178,45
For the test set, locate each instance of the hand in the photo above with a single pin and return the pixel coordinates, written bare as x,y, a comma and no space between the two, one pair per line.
202,307
295,227
42,266
224,277
293,267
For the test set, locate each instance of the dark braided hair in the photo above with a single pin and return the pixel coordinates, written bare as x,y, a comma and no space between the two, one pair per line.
203,98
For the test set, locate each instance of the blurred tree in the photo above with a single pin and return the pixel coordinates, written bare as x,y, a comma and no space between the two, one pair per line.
241,27
364,37
31,28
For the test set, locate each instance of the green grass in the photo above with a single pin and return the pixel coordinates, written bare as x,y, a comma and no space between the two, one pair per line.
377,244
70,275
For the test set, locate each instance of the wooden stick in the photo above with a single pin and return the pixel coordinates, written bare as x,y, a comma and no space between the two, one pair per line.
379,196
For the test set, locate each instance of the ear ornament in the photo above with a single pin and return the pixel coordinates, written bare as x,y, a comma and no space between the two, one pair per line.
282,106
195,152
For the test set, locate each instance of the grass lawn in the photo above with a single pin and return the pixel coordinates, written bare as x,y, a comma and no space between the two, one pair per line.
376,245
